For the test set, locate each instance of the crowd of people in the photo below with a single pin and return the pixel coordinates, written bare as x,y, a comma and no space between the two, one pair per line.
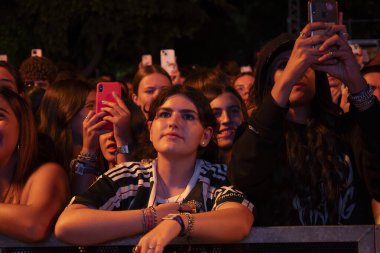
295,141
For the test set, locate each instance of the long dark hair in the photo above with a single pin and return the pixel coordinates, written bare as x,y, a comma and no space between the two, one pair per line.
27,148
61,103
205,113
16,75
316,170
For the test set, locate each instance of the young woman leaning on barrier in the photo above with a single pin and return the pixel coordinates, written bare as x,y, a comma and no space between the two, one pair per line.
32,192
176,194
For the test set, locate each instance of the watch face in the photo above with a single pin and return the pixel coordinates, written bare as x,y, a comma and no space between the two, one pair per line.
170,216
123,149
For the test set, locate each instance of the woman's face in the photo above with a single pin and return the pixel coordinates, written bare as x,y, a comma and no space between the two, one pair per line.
243,85
176,130
7,80
9,132
108,146
229,115
303,91
77,123
148,90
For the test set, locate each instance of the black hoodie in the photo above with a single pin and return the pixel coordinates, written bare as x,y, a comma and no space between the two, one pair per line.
259,164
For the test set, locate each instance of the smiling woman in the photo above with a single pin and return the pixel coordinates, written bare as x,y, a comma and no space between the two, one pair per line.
32,192
169,196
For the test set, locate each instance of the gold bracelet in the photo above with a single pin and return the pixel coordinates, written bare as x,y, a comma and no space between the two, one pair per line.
190,223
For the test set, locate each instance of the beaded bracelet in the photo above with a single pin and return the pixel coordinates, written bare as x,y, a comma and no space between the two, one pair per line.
190,223
145,228
81,168
364,99
149,218
154,211
190,206
88,157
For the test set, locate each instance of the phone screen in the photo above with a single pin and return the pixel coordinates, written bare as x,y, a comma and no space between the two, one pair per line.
168,61
104,93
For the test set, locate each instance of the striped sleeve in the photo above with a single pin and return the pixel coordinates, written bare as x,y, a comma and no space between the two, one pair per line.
98,194
117,188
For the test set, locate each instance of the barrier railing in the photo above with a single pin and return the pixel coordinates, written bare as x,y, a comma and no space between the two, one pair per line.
334,239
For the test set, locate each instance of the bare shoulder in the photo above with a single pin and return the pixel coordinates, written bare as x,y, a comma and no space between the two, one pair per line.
50,170
48,178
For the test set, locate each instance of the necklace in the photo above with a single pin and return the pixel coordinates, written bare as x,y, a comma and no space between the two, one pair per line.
164,189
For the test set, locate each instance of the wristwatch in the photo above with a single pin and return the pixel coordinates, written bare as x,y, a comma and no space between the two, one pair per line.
176,217
122,149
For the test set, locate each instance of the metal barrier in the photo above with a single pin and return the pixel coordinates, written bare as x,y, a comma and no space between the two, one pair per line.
334,239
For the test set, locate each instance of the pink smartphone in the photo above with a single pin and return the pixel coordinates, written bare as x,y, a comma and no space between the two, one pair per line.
168,61
104,93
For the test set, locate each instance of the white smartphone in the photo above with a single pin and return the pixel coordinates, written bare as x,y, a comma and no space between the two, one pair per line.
3,57
168,61
245,69
36,52
146,60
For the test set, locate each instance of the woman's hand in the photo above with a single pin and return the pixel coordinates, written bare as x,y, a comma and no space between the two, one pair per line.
303,56
92,127
338,59
156,240
120,116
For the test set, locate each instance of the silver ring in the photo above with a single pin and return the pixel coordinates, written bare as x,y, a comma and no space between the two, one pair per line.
331,53
303,35
151,247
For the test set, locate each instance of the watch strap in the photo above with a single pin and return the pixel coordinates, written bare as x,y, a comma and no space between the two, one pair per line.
123,149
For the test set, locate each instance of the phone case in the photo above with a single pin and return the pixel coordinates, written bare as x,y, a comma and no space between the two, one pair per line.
244,69
322,11
146,60
104,92
168,61
36,52
3,57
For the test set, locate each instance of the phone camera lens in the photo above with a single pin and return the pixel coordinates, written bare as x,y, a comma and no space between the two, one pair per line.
101,88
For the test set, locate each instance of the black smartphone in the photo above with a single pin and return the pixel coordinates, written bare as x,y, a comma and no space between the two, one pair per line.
322,11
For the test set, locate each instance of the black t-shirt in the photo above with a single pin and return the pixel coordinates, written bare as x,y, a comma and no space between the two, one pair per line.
259,160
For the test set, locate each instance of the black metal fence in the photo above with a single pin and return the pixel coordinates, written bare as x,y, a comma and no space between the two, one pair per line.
310,239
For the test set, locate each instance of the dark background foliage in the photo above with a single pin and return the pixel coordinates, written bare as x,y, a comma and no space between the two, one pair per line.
111,35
